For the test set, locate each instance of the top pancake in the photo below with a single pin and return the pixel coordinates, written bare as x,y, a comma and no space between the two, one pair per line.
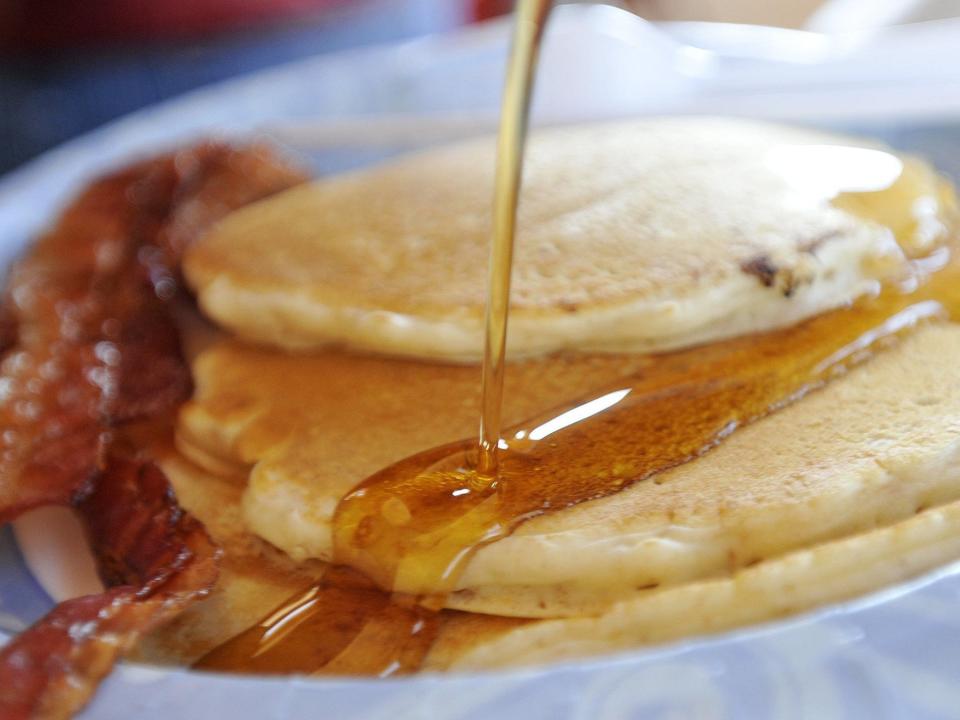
636,236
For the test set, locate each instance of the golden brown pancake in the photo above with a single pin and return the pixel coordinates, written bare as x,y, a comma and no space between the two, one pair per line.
846,459
255,580
333,418
797,582
636,236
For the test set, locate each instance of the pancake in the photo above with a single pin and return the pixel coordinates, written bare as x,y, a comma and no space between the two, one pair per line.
255,579
795,583
633,237
867,451
330,419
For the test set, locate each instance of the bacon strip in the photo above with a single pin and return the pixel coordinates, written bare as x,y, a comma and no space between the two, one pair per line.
163,559
91,347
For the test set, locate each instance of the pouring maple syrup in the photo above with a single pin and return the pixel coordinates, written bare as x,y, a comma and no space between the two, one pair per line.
530,21
412,527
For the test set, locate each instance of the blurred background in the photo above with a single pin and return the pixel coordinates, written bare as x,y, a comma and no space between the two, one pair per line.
67,66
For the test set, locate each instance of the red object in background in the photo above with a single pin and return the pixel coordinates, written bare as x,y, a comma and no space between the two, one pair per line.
46,24
484,9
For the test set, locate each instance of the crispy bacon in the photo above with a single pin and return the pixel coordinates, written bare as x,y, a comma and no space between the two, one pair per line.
91,347
160,558
8,329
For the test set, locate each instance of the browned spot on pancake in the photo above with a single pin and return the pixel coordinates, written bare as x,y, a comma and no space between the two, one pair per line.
762,267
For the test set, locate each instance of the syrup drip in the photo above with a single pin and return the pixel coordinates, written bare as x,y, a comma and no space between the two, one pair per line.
343,625
412,526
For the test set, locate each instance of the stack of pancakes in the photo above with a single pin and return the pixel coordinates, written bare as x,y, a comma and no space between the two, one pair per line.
351,311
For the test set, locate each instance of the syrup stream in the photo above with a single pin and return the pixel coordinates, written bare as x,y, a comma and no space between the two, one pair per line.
531,17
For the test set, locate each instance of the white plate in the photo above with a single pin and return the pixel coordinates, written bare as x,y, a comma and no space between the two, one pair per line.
894,654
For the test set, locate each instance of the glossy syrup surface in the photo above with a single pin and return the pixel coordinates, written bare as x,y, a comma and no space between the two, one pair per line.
343,625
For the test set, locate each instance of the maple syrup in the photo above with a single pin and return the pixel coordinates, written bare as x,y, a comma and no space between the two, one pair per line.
531,18
343,625
411,527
